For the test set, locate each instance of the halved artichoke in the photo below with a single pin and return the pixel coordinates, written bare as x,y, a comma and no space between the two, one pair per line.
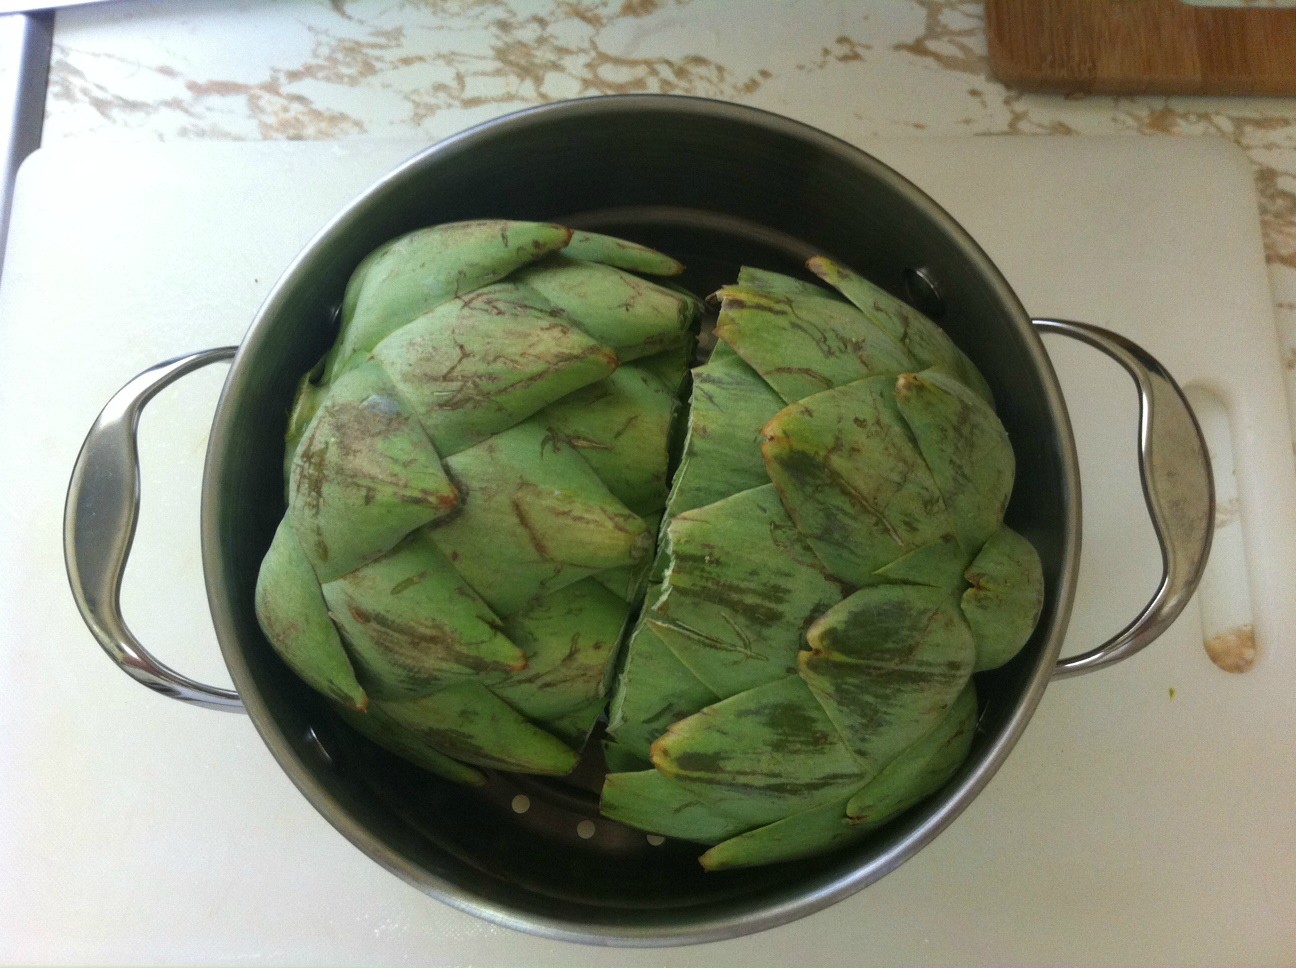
833,569
475,473
478,507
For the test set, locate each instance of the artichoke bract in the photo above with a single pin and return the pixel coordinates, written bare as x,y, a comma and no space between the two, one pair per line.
489,545
475,474
833,570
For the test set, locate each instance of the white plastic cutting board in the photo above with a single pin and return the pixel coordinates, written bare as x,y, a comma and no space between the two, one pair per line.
1146,817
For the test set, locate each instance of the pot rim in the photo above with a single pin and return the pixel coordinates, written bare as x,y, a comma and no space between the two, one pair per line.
733,920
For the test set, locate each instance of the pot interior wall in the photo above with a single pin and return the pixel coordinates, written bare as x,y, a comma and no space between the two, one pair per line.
706,184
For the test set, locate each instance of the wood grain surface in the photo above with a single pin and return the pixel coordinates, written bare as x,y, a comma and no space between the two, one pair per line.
1142,47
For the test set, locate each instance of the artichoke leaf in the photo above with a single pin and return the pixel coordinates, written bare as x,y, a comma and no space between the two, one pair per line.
625,582
633,316
670,366
759,755
966,448
417,272
887,663
920,770
1005,599
364,476
413,626
356,284
914,775
654,690
650,801
622,427
395,739
848,472
740,589
589,534
306,403
294,617
939,564
573,726
621,253
470,723
630,581
806,344
778,284
486,361
536,518
925,342
728,407
570,639
805,833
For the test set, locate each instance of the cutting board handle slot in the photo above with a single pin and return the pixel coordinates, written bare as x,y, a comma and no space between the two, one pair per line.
1225,594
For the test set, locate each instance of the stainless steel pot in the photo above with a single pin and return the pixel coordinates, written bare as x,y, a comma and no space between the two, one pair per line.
717,186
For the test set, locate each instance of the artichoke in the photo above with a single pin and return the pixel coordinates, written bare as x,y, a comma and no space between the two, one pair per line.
487,545
475,474
833,569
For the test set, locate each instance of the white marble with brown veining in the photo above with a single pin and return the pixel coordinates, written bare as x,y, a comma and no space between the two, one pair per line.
328,69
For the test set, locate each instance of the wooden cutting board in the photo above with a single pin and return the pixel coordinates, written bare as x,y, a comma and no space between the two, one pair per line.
1142,46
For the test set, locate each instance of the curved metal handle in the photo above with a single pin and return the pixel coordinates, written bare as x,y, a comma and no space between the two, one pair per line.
99,526
1177,486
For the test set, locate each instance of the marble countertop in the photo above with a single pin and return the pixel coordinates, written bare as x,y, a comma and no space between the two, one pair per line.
332,69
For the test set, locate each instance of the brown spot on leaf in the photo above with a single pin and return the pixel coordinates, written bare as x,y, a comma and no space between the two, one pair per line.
906,383
1234,650
406,584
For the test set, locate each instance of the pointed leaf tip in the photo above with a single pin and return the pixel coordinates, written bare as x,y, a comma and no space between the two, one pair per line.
294,617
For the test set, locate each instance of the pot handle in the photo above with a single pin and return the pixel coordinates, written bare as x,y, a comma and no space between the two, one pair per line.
99,527
1177,486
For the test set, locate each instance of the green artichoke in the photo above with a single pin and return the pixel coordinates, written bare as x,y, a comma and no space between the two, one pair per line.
833,569
475,474
487,544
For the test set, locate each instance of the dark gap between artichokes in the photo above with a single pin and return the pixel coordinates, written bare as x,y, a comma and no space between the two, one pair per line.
476,472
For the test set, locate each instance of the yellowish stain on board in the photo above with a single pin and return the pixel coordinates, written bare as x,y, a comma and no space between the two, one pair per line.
1234,650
